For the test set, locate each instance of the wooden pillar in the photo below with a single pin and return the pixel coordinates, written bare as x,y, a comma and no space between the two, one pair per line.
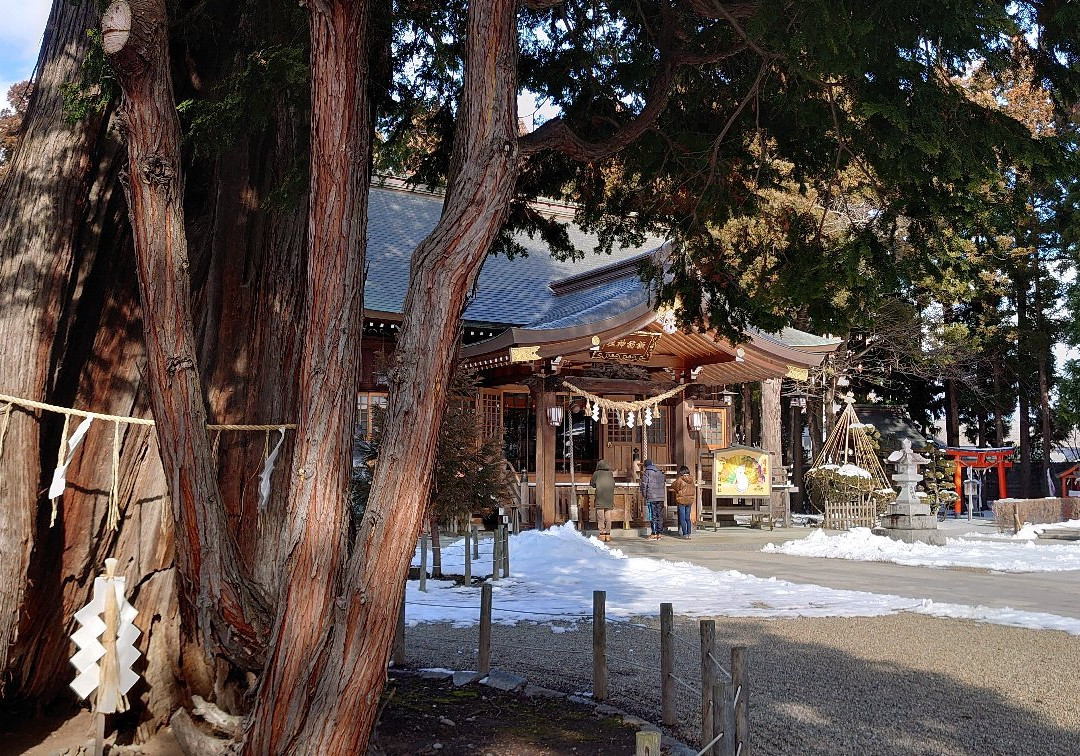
1003,487
797,459
771,437
746,416
545,457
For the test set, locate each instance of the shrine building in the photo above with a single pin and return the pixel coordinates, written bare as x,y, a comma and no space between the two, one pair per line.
576,364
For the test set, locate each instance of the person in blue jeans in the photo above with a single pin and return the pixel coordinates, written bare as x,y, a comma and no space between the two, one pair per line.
654,491
685,493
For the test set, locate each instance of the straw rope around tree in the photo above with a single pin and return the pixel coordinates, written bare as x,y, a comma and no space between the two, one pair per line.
847,481
69,444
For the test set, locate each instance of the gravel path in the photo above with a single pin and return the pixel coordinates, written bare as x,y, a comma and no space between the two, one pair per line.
900,684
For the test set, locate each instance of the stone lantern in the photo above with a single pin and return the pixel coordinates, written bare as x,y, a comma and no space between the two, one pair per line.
908,519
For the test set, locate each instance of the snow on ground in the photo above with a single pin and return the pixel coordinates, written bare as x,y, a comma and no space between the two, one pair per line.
1030,531
554,572
1001,556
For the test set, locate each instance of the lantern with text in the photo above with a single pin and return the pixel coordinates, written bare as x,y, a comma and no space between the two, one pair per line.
555,415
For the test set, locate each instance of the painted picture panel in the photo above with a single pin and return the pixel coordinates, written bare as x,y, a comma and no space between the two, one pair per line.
742,473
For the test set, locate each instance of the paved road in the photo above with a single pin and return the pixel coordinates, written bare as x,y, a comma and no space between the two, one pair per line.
1052,592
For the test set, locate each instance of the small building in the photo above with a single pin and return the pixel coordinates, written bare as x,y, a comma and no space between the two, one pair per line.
558,344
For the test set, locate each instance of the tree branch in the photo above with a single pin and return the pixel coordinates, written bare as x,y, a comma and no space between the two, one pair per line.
557,134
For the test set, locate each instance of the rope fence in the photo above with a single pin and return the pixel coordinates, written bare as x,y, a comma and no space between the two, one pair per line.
696,694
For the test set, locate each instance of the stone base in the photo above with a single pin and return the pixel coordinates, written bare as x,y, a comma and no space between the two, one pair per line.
909,522
932,536
908,510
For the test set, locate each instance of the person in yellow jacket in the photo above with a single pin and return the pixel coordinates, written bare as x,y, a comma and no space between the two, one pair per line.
685,493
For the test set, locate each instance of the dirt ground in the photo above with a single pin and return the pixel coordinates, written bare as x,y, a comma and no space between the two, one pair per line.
429,717
419,717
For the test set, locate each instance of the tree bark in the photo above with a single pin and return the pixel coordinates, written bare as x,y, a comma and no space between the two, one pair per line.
999,413
317,508
952,414
1023,425
43,202
217,601
332,708
771,417
1046,433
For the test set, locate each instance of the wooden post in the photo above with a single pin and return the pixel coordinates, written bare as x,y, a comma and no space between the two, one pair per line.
599,645
483,660
667,666
723,719
545,458
99,734
708,679
399,636
506,551
741,692
496,560
423,562
647,743
475,541
771,415
468,557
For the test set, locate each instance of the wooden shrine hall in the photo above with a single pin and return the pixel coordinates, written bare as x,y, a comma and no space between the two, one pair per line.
577,365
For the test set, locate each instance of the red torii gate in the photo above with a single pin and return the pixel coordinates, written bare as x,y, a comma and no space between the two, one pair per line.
980,459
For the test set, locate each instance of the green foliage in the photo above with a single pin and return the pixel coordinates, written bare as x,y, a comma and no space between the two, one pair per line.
244,103
97,86
471,474
937,480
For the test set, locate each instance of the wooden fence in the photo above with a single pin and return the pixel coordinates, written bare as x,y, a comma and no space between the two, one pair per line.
857,513
723,692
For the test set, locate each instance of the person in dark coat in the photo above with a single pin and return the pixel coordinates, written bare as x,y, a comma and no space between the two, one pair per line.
603,485
654,491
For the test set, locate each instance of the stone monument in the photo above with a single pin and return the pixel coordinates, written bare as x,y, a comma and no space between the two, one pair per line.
908,519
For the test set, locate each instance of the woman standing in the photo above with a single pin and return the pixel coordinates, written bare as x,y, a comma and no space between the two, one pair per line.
603,485
685,493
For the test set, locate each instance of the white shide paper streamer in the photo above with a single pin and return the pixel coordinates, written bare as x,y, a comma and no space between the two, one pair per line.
268,470
59,481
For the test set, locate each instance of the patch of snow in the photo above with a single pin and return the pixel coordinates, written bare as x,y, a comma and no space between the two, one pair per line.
1030,531
555,571
860,544
852,471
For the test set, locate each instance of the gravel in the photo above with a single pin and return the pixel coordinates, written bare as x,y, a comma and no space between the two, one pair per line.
896,684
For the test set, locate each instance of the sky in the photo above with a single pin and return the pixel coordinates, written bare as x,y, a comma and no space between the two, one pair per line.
22,22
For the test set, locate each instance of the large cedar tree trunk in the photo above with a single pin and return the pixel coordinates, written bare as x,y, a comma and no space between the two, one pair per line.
317,509
249,294
42,205
332,708
220,603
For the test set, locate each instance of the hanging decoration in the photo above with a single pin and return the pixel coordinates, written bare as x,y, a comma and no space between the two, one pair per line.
642,411
106,642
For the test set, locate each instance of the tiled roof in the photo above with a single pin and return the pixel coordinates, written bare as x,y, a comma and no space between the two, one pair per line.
508,292
518,292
